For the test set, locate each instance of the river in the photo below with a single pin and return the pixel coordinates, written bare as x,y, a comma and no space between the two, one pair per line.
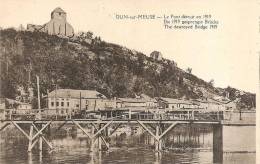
182,147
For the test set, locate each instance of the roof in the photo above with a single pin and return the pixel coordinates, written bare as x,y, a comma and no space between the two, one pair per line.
143,99
176,101
73,93
209,100
11,101
148,98
58,10
133,100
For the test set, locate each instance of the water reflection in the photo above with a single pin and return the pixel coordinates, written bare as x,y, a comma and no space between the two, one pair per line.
158,157
194,146
30,160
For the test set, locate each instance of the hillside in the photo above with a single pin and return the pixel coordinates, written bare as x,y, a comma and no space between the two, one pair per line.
94,64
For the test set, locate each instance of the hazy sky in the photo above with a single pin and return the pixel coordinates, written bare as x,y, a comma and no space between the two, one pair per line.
228,55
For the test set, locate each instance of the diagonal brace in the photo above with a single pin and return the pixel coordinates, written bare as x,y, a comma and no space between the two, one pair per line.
102,128
60,126
142,124
168,129
40,131
104,141
115,129
19,128
84,131
33,144
3,127
46,141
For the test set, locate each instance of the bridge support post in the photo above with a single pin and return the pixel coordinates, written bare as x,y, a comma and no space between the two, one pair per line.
157,136
217,143
158,143
99,143
99,138
130,114
40,140
30,139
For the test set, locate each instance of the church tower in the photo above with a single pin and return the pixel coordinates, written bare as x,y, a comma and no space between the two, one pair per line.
58,24
59,14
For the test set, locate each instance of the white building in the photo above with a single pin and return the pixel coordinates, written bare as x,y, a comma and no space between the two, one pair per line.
169,103
210,104
65,101
140,102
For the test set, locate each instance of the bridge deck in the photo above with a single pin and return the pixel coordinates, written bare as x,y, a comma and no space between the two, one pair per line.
114,120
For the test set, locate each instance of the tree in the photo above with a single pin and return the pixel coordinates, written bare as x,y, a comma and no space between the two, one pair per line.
89,35
211,82
189,70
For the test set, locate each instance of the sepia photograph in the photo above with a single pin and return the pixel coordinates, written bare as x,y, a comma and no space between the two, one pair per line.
128,82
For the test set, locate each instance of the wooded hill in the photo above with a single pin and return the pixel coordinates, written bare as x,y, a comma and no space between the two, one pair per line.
110,69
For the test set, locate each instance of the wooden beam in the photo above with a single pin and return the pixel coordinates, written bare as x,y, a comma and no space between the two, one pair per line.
148,130
151,126
44,139
168,129
84,131
60,127
45,126
102,128
19,128
32,145
30,139
3,127
103,139
115,129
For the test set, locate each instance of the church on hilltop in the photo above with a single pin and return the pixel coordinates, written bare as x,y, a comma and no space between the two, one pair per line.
58,24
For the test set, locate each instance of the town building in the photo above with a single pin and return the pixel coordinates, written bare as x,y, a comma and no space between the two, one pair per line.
14,107
231,105
210,104
140,102
2,108
17,105
58,24
69,101
156,55
176,104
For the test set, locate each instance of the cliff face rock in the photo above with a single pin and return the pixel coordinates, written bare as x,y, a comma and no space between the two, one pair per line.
111,69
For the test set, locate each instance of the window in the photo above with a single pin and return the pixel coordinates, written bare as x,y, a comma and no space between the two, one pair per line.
77,105
59,13
62,112
52,103
57,103
68,104
62,103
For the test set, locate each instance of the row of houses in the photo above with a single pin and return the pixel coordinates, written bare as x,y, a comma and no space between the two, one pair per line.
67,101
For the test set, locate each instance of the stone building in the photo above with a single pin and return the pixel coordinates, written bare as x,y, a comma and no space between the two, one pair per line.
58,24
176,104
156,55
68,101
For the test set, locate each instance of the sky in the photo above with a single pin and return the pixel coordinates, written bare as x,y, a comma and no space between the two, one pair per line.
228,54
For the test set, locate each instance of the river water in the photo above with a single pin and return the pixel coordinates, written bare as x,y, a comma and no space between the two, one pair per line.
182,147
